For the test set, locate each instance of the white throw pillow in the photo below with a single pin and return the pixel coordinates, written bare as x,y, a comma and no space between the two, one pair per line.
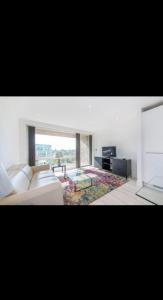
6,188
27,170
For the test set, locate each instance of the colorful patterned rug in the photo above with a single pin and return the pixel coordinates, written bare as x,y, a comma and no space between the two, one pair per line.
104,183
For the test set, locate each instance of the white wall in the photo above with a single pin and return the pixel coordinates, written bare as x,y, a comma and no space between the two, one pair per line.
139,150
9,137
122,134
152,129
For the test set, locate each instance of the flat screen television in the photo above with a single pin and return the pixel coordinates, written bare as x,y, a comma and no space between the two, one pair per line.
109,151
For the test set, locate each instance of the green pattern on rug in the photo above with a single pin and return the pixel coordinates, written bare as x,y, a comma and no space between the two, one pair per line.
105,182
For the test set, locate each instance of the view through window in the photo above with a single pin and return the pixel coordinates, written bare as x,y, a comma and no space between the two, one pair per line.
51,149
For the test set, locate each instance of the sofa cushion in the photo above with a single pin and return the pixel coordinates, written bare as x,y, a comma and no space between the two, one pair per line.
16,167
20,182
43,174
6,188
12,173
27,170
36,183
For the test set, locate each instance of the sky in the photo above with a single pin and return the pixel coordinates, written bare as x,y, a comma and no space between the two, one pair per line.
57,142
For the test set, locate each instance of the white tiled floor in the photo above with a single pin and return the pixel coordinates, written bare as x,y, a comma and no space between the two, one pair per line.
124,195
152,194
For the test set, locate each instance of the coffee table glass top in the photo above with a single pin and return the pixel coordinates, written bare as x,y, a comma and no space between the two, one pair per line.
81,180
73,173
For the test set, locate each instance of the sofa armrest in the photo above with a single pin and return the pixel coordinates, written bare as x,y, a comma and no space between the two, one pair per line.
50,194
36,169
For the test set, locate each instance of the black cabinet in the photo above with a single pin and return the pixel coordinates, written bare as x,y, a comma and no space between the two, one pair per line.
121,167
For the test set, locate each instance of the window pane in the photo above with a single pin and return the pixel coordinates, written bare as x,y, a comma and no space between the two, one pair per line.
55,149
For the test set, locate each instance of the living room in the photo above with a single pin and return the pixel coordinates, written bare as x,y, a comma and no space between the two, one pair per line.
96,151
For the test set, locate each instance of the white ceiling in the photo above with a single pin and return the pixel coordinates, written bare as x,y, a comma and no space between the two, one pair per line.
87,113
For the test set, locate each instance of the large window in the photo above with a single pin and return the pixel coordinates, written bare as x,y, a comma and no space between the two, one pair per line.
49,147
53,149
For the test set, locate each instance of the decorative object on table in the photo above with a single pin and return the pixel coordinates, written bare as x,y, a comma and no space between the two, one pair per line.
65,176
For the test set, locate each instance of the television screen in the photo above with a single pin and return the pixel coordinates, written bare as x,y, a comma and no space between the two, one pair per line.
109,151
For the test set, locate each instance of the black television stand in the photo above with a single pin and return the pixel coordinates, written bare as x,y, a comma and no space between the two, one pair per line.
118,166
106,164
103,162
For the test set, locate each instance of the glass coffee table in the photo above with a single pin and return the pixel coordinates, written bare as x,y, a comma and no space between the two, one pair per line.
83,181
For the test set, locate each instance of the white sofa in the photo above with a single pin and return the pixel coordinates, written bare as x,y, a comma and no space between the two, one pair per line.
33,186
